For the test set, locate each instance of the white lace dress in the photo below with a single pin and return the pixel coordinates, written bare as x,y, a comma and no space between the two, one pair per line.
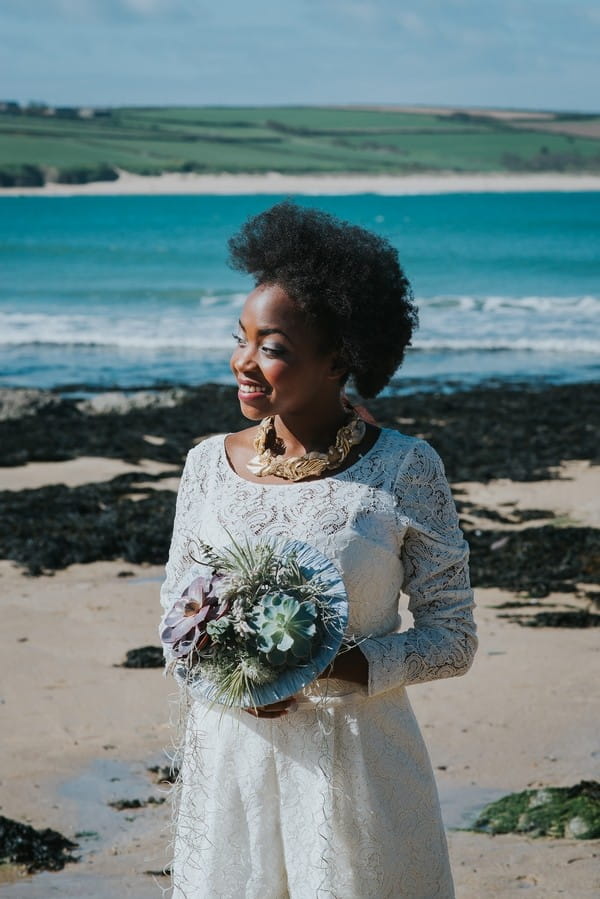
336,799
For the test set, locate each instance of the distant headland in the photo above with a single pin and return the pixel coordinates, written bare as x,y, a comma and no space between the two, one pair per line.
294,149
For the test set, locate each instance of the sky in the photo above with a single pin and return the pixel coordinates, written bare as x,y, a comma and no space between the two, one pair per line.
523,54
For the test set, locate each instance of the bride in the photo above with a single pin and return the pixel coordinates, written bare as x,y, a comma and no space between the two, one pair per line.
330,792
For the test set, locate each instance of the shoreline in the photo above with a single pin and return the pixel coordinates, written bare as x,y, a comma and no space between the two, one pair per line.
275,183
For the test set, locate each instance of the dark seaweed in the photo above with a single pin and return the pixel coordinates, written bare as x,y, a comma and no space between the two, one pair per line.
59,430
519,432
569,618
37,850
164,773
122,805
594,597
165,872
515,516
521,515
144,657
52,527
535,560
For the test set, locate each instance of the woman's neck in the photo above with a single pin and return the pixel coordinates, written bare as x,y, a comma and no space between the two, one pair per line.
303,434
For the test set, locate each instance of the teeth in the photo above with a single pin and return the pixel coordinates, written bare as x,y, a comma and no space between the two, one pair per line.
251,388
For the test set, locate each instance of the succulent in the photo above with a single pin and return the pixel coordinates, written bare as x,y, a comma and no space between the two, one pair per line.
284,625
219,628
185,625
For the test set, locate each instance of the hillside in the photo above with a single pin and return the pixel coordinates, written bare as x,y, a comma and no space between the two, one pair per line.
73,146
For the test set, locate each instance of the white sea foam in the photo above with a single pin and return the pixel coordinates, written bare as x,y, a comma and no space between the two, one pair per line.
143,332
522,344
544,324
558,306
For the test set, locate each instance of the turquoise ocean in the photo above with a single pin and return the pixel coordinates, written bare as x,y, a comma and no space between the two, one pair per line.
103,292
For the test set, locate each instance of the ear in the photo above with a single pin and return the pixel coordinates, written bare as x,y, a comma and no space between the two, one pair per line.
337,368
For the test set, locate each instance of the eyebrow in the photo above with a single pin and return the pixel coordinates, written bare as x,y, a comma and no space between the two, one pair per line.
264,332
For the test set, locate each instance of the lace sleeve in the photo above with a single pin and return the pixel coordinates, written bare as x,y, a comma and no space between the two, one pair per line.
434,554
179,558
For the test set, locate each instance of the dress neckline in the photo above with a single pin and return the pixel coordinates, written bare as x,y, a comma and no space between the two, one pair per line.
224,458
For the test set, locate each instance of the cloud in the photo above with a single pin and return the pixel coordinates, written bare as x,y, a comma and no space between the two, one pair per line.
232,14
455,52
93,11
411,22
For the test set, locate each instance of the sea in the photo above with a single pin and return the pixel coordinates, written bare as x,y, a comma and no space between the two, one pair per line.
128,292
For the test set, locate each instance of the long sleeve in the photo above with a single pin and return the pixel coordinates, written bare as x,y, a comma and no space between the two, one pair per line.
179,559
434,555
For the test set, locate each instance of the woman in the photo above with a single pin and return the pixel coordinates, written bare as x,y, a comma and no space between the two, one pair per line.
329,793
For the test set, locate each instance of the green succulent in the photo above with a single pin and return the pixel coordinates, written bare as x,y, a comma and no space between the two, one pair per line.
219,628
284,625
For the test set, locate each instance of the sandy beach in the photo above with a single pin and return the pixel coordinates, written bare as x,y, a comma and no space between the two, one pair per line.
315,185
81,731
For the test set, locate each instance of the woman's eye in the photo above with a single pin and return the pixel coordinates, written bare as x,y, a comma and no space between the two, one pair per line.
268,350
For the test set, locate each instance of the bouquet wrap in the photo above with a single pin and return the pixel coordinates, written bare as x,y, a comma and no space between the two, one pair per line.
261,621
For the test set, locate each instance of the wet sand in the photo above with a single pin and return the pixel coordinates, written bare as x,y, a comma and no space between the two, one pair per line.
81,732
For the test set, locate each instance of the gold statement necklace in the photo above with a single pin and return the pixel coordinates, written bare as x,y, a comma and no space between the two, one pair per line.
268,445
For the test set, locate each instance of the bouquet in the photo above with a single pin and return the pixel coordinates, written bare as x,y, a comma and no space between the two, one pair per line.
261,622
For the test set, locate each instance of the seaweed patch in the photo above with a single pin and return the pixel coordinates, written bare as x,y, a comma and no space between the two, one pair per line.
37,850
144,657
536,560
572,812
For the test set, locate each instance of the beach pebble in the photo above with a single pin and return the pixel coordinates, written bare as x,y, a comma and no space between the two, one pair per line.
540,797
578,828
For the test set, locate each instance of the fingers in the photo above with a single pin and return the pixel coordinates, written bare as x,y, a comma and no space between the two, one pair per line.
280,706
273,710
260,713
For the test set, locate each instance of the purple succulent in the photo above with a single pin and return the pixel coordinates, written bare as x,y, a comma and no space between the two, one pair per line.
184,626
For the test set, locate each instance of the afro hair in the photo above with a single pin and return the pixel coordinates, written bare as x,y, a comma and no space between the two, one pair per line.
348,282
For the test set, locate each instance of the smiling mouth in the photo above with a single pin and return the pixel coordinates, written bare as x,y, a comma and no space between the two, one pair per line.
252,388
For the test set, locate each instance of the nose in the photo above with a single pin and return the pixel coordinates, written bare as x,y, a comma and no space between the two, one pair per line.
242,359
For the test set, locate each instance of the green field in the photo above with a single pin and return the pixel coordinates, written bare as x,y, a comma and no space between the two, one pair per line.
291,140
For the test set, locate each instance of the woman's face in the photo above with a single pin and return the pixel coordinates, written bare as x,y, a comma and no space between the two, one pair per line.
278,364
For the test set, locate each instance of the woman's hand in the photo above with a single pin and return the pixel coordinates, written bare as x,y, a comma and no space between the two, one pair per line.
274,710
350,665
